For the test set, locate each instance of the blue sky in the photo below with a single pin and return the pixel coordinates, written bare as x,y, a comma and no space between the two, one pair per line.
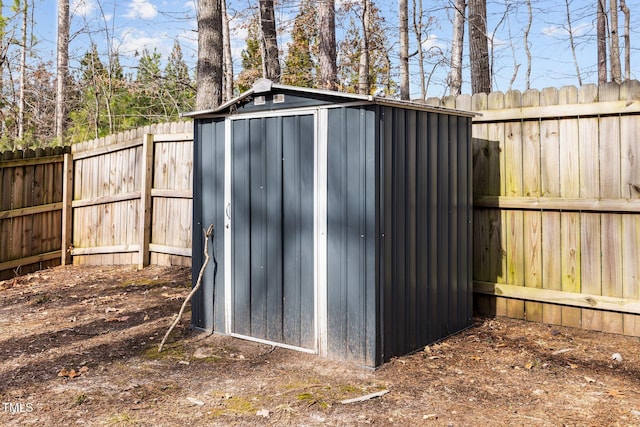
133,25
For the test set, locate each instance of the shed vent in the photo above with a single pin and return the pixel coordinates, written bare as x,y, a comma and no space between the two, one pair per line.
259,100
278,98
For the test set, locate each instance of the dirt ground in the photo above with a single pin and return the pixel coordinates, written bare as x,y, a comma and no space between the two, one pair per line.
78,346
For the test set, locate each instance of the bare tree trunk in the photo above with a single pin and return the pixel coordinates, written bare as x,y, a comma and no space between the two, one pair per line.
614,53
455,76
479,47
627,39
526,45
363,70
327,44
601,27
417,30
23,70
271,61
228,59
209,67
403,15
573,43
62,68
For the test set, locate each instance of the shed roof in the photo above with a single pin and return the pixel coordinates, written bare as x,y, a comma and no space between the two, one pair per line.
264,86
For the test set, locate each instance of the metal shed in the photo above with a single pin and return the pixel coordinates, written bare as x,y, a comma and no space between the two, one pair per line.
342,222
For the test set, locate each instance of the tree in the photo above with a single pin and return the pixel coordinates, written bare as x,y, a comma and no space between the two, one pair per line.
178,87
209,66
327,44
455,75
251,57
478,47
572,43
23,66
601,30
299,65
364,84
403,15
227,75
377,77
271,57
62,68
627,39
614,52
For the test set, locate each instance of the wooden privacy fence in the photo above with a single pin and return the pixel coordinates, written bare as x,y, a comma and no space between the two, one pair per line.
557,205
132,197
556,193
31,209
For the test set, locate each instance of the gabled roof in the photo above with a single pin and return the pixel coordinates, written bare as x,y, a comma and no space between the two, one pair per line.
264,86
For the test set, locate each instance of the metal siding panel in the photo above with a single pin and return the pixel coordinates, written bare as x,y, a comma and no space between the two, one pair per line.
242,228
399,232
336,168
354,235
387,234
306,234
433,226
411,342
197,307
217,272
270,291
454,296
443,224
463,237
371,321
422,228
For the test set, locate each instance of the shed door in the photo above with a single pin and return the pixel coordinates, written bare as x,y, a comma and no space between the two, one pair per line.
273,229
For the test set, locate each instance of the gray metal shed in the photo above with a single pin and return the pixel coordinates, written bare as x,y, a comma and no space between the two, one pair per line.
342,222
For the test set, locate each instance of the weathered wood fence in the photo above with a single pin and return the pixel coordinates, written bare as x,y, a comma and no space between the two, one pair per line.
132,197
557,205
31,208
556,192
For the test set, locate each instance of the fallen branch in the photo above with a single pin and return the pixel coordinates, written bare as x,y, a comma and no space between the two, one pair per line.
207,234
365,397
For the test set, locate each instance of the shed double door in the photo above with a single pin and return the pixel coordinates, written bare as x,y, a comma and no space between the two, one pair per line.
272,200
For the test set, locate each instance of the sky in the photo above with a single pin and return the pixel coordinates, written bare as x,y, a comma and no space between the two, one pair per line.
133,25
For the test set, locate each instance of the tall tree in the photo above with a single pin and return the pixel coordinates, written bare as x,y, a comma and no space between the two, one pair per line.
327,55
627,39
364,85
178,86
228,58
403,15
614,51
209,66
601,30
271,58
62,68
251,56
479,47
24,7
299,65
572,42
455,75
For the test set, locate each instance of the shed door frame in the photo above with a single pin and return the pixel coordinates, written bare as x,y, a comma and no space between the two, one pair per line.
319,225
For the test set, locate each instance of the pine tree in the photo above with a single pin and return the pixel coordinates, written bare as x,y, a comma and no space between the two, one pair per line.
178,87
251,57
300,65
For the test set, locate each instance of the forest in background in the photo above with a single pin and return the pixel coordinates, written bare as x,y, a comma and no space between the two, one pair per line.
105,90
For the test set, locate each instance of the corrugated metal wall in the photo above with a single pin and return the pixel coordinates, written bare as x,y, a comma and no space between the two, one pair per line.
208,208
425,231
273,240
352,300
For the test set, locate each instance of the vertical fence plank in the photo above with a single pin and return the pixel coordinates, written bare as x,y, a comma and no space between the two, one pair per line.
145,200
67,199
631,269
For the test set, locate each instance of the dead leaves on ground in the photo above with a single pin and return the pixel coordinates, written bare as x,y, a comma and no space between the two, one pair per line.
73,373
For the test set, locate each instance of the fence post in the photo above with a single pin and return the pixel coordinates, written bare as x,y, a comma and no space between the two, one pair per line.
67,210
145,199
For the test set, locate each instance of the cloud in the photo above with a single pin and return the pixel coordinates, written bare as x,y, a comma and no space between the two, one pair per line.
82,8
141,9
134,40
557,31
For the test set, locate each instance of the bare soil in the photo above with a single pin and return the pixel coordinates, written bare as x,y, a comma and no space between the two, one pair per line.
78,346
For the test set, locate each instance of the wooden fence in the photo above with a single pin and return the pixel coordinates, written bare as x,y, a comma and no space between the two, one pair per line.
132,197
557,205
31,209
556,193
